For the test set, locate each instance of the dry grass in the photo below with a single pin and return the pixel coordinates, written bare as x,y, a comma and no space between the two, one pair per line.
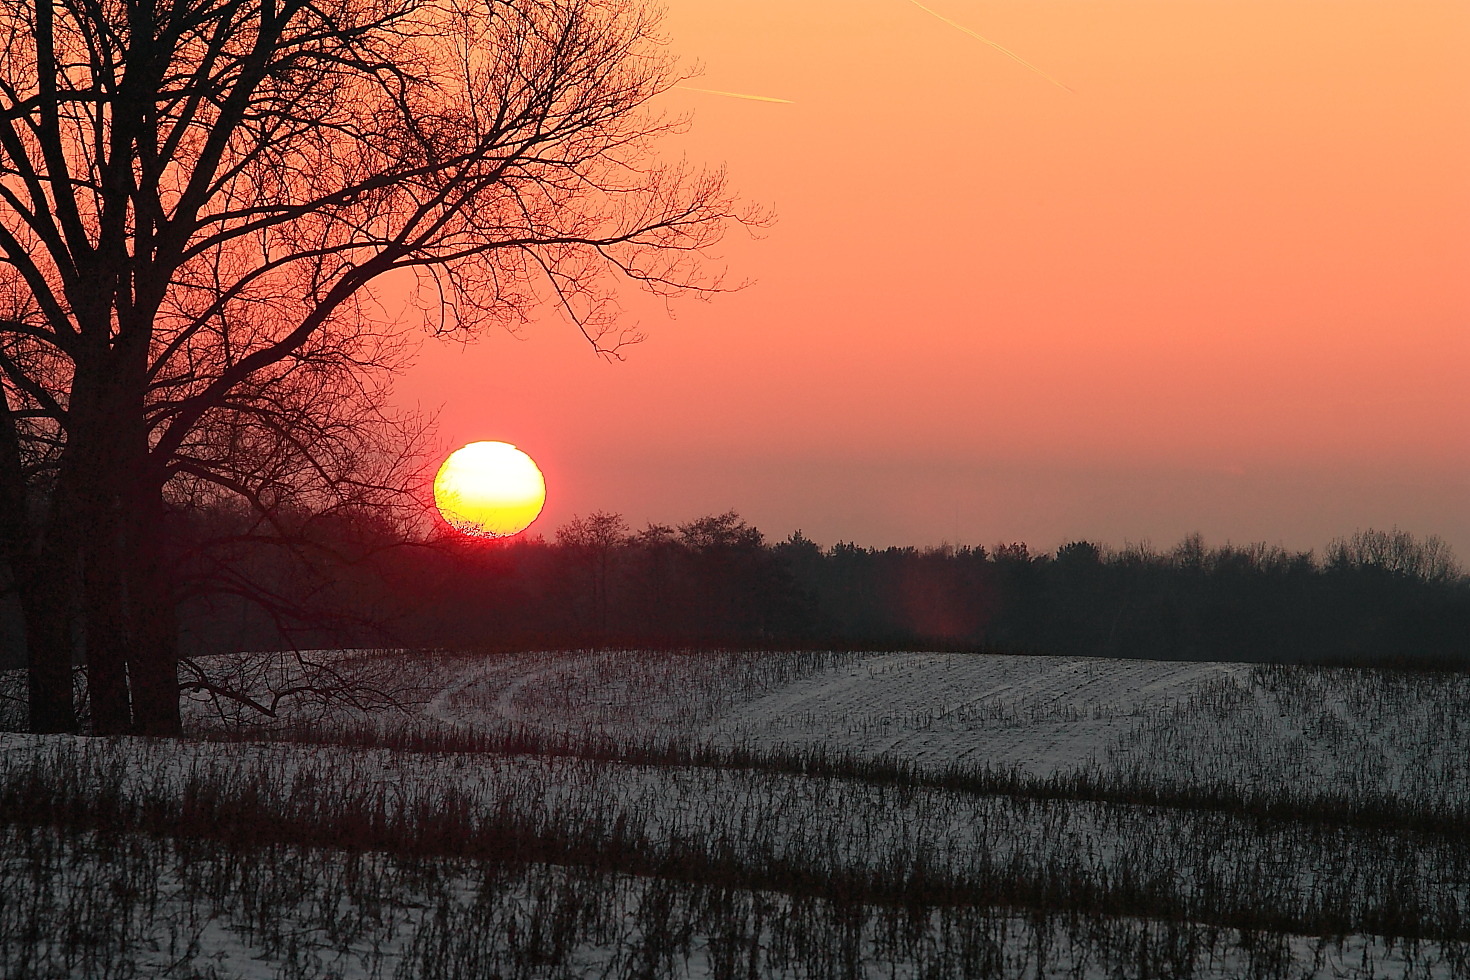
396,845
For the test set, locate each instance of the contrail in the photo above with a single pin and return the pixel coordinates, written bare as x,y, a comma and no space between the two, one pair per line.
734,95
1001,48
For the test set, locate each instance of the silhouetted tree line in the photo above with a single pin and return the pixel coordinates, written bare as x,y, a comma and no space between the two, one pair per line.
1375,597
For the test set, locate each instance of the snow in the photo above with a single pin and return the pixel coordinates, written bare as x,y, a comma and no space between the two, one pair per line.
1040,715
1178,723
339,915
1305,730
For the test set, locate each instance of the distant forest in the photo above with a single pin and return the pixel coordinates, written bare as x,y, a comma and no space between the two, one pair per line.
1376,597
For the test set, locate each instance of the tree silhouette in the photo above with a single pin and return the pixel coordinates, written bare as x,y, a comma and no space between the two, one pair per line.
591,545
205,204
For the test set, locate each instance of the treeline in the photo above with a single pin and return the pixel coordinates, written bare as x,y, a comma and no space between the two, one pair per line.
1375,597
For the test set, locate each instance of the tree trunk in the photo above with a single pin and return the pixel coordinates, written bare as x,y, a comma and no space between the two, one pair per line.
153,657
155,677
48,668
91,507
105,630
44,596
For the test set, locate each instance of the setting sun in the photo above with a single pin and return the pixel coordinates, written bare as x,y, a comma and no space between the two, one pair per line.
489,489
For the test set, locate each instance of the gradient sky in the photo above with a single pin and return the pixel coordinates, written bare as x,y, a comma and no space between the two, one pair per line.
1224,287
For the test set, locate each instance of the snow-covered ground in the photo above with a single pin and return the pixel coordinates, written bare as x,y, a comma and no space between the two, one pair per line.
838,827
156,908
192,911
1037,714
1303,731
1183,723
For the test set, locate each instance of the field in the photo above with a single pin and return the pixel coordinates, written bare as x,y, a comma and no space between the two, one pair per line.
656,814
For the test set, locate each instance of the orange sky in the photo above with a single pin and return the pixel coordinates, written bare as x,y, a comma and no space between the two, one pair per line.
1220,288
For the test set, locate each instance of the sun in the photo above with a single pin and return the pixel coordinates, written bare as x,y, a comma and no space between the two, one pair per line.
489,490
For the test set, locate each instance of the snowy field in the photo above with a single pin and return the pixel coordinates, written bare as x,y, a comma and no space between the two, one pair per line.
985,816
1037,713
1363,731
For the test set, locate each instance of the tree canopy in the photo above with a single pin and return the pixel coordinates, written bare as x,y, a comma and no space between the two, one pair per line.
220,220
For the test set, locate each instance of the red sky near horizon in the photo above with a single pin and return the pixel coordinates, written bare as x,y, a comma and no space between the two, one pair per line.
1222,287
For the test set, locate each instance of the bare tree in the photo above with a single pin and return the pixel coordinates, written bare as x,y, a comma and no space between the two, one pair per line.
592,543
1396,552
302,471
30,444
200,200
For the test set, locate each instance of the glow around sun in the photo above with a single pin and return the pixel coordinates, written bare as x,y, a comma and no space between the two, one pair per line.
489,489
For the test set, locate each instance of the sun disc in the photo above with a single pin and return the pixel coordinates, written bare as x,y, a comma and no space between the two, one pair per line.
489,490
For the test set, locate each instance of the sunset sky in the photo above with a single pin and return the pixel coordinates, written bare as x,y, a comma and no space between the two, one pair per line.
1221,285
